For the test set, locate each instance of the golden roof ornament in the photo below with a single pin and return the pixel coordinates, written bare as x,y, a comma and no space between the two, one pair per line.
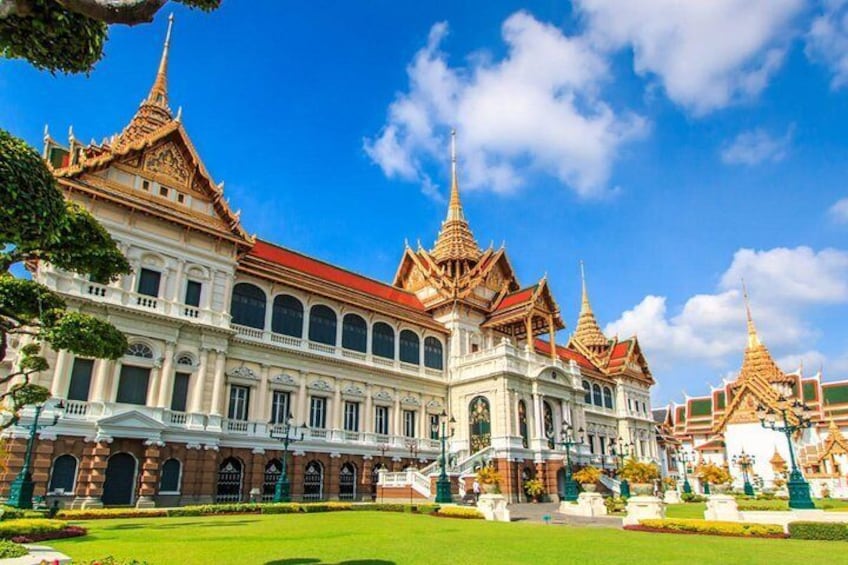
455,241
588,332
758,362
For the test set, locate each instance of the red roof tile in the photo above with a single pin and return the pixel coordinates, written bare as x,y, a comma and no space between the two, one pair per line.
620,350
308,265
544,347
516,297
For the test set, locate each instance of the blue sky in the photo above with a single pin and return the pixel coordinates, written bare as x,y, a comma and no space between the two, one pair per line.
675,147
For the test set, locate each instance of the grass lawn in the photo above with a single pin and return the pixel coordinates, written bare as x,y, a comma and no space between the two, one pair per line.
384,538
696,509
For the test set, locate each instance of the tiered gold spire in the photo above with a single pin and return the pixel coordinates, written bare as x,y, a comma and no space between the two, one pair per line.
758,362
154,111
455,241
588,332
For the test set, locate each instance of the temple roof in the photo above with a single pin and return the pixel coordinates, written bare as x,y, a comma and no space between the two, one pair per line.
588,332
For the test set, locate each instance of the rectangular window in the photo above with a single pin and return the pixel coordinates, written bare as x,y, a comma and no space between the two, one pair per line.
318,412
434,426
148,282
239,402
591,440
602,444
381,420
178,399
279,407
192,295
351,416
180,198
132,385
409,423
163,191
80,379
145,185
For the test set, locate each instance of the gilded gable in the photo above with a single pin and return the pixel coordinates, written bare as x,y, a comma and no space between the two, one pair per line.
168,161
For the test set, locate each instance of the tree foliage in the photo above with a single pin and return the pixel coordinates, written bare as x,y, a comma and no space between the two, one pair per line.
69,35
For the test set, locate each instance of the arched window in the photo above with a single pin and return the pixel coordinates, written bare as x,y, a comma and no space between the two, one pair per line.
322,325
607,397
410,347
229,481
596,395
287,316
587,396
354,333
170,481
383,340
549,424
313,481
185,359
433,353
273,471
248,306
139,349
480,423
63,475
347,482
522,423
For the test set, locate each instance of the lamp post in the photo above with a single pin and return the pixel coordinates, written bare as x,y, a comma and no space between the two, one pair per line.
382,448
282,488
799,489
20,492
745,461
624,450
567,441
412,446
443,488
686,457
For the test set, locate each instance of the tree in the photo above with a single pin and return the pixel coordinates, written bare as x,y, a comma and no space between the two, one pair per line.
38,225
68,35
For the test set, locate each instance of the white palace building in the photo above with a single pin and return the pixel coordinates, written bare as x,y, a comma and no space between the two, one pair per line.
230,333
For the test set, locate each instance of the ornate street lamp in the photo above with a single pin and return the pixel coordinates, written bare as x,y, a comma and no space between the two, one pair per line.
567,441
686,457
799,489
282,488
443,488
624,450
745,462
20,493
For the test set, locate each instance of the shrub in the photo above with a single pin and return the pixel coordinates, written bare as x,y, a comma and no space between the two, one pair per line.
587,475
282,508
68,532
12,513
615,504
112,561
487,475
819,530
27,526
711,527
692,497
101,513
639,472
9,550
534,487
459,512
774,505
713,474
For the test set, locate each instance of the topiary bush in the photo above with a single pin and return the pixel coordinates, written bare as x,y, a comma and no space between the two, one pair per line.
692,497
835,531
459,512
762,505
28,526
10,550
105,513
710,527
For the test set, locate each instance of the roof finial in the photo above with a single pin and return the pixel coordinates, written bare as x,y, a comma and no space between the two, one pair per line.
588,332
455,206
585,301
753,338
159,92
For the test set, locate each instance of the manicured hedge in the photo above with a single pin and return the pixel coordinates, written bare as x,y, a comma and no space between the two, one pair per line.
68,532
460,512
710,527
819,530
30,526
762,505
9,550
96,513
12,513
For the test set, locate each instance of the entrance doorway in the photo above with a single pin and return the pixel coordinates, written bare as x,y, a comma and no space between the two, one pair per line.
347,482
119,488
229,481
313,481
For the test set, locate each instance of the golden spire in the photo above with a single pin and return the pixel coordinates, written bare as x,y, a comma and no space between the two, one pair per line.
588,332
758,362
455,241
154,111
753,337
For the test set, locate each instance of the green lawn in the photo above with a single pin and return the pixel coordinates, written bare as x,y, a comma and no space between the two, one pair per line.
383,538
696,509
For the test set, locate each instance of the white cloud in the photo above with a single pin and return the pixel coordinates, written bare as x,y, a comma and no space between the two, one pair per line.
710,328
839,211
536,110
706,54
756,146
827,40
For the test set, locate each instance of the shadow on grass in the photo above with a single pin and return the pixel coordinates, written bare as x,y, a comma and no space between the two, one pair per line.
167,526
308,560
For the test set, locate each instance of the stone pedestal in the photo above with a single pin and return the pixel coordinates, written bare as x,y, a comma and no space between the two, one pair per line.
671,497
588,504
643,508
85,502
145,502
722,507
493,507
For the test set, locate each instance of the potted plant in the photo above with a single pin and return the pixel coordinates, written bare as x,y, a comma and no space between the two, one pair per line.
717,477
534,488
640,475
587,477
669,483
489,479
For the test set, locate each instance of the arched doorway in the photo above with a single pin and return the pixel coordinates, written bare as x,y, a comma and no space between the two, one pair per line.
347,482
229,481
480,424
526,474
313,481
119,487
375,478
273,470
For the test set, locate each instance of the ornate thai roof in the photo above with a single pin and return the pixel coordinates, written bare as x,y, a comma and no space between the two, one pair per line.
455,241
835,444
588,332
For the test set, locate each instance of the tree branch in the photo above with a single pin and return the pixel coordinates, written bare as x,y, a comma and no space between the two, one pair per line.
129,12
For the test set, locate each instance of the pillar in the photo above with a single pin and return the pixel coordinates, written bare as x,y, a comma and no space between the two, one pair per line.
217,407
192,463
166,390
61,375
261,407
337,407
41,462
255,477
298,462
552,332
199,384
92,476
364,491
302,411
368,418
332,478
208,474
153,388
101,376
149,474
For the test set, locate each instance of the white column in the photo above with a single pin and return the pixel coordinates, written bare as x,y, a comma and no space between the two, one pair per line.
110,388
199,383
538,416
367,418
166,388
337,407
260,409
102,367
177,284
217,407
397,429
269,309
153,386
61,376
423,423
302,411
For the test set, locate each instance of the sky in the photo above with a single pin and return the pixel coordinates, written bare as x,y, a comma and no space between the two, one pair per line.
675,147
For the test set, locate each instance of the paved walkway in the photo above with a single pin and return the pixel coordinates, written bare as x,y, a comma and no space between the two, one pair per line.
537,513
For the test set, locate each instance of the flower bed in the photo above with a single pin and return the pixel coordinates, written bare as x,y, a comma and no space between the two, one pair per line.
95,513
836,531
67,532
30,526
459,512
709,527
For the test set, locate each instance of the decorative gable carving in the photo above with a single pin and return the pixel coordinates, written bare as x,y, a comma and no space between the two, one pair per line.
283,379
383,395
321,384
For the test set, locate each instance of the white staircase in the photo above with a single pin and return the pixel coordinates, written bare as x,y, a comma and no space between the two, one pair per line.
419,482
613,484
